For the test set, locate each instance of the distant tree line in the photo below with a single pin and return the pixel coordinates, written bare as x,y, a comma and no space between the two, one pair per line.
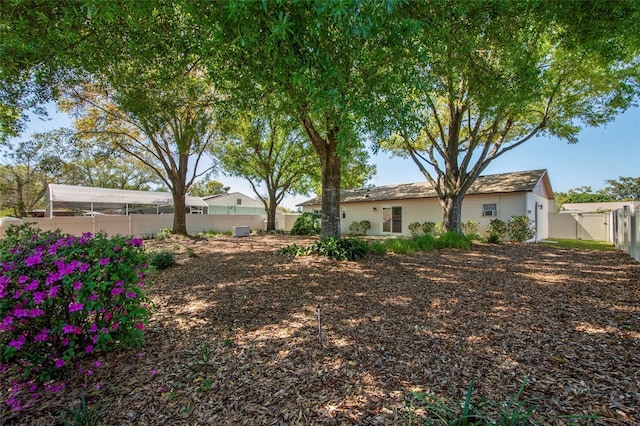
622,189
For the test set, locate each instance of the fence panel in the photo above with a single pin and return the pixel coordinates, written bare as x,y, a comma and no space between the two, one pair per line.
626,229
141,225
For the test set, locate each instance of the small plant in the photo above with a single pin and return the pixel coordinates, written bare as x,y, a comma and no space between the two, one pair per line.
415,228
438,228
163,234
162,259
205,354
293,250
494,239
306,224
365,225
205,385
453,240
520,229
359,228
352,248
497,230
83,415
428,227
470,227
344,249
475,411
377,247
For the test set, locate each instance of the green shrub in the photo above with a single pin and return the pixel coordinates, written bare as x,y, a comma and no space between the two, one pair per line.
471,227
474,237
494,239
438,228
353,248
401,245
344,249
293,250
497,230
359,228
63,296
415,228
377,247
453,240
162,259
163,234
519,229
306,224
428,227
424,242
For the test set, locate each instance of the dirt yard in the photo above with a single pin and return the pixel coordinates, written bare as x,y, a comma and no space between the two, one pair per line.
235,337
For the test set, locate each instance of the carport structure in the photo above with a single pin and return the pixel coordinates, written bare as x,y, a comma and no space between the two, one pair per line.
114,201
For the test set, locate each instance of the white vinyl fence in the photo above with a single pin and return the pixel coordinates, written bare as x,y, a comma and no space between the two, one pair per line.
626,230
581,226
147,225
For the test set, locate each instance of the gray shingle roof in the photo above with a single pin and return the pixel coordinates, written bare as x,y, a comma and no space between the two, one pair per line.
500,183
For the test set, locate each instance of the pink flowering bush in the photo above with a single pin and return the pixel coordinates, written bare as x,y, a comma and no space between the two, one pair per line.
63,296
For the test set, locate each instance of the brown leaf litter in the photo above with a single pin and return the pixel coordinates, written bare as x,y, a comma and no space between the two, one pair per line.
235,341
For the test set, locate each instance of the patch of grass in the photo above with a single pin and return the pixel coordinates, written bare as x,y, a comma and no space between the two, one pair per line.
83,415
578,244
162,259
476,411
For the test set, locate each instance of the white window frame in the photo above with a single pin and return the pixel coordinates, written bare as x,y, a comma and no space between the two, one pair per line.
391,221
490,210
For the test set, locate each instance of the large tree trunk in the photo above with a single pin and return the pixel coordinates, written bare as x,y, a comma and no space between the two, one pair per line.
179,192
271,214
327,150
452,213
330,225
179,212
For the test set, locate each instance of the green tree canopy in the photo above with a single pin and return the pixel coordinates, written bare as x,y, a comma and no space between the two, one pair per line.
206,186
623,189
271,152
318,59
495,74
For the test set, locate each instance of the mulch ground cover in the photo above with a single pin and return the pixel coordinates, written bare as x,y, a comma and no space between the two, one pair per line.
235,337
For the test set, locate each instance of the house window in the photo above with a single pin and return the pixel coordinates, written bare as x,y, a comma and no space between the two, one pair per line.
239,201
392,219
317,211
489,210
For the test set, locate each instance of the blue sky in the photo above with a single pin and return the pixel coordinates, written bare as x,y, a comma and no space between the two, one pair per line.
605,152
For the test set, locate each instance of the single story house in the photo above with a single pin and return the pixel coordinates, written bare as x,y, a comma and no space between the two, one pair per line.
391,208
234,203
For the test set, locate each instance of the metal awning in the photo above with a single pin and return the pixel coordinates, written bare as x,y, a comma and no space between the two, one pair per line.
98,199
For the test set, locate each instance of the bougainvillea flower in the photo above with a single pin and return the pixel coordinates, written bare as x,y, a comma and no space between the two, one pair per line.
33,260
39,296
75,307
18,342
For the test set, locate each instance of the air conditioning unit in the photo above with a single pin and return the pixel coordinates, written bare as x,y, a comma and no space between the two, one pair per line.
488,213
240,231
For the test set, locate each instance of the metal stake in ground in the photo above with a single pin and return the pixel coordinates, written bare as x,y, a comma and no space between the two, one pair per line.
319,328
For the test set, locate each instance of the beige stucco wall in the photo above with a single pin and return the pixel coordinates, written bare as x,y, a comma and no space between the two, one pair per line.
429,209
